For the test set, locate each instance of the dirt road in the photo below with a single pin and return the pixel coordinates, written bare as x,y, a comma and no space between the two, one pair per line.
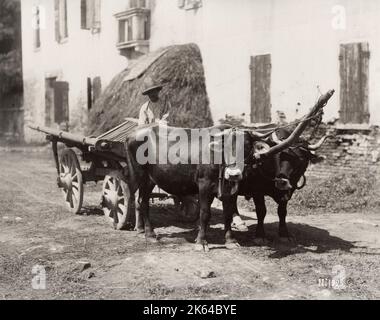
36,229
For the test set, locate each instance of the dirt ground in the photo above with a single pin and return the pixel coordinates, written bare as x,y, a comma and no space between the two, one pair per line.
36,229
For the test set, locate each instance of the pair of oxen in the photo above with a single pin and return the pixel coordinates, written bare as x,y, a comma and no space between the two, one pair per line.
274,164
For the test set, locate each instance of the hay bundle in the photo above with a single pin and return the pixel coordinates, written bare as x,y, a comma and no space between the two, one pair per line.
181,69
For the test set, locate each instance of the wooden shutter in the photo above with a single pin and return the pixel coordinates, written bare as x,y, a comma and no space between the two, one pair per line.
37,31
83,14
63,18
96,88
260,88
354,71
96,15
89,94
89,13
61,102
56,18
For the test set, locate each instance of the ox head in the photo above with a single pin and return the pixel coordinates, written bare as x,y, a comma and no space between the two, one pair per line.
238,147
291,164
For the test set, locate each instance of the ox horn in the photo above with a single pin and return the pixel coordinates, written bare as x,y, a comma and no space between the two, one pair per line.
314,147
275,138
258,135
322,101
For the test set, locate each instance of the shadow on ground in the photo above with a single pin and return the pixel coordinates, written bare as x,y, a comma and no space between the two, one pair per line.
306,238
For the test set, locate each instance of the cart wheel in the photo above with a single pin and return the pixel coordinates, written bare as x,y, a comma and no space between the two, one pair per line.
117,204
187,207
71,181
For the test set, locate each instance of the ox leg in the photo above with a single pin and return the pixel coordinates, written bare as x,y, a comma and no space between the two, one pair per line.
237,222
205,201
261,212
139,227
142,208
283,229
229,208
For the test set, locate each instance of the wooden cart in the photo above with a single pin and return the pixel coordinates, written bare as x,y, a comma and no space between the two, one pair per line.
106,157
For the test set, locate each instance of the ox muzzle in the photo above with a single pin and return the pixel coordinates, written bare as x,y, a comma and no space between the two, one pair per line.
282,184
233,174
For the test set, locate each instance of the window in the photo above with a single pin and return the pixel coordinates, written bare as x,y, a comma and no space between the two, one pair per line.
137,4
61,30
189,4
134,30
56,101
90,15
134,27
37,27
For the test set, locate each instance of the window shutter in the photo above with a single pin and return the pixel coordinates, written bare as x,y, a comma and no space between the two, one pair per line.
37,37
96,15
90,14
61,102
83,14
260,88
354,76
63,9
56,16
89,94
96,88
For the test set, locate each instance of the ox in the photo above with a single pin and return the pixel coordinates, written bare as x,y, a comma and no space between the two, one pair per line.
186,178
208,180
278,177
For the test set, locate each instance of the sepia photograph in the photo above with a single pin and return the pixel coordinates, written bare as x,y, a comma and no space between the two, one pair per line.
206,151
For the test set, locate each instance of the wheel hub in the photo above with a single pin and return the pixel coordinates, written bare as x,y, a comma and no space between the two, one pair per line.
66,181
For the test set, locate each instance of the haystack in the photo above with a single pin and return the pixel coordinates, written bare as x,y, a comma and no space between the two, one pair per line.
179,68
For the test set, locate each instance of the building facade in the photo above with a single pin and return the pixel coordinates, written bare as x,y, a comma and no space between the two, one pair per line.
261,58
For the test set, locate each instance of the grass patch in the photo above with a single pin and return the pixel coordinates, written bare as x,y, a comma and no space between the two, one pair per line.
338,193
343,192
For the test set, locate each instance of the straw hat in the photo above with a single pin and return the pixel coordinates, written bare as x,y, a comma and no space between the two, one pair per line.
150,86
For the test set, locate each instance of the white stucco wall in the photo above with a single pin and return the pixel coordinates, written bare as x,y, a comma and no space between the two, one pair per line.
298,34
83,55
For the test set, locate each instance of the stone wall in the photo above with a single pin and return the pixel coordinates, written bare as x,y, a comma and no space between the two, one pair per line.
348,151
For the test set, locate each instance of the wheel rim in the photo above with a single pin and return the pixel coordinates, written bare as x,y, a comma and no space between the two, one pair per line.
71,181
115,203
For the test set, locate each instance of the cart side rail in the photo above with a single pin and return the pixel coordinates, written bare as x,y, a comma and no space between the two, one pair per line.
64,136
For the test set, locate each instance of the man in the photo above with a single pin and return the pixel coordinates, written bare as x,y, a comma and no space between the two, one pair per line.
150,111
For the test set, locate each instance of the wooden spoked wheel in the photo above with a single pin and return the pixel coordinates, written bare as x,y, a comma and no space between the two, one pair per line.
117,203
71,181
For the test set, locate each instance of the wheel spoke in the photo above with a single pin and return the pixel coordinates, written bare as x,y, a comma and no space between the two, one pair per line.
69,198
122,207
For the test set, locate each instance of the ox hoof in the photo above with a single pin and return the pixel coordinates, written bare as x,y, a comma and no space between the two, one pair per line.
140,231
232,245
261,241
202,247
152,238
